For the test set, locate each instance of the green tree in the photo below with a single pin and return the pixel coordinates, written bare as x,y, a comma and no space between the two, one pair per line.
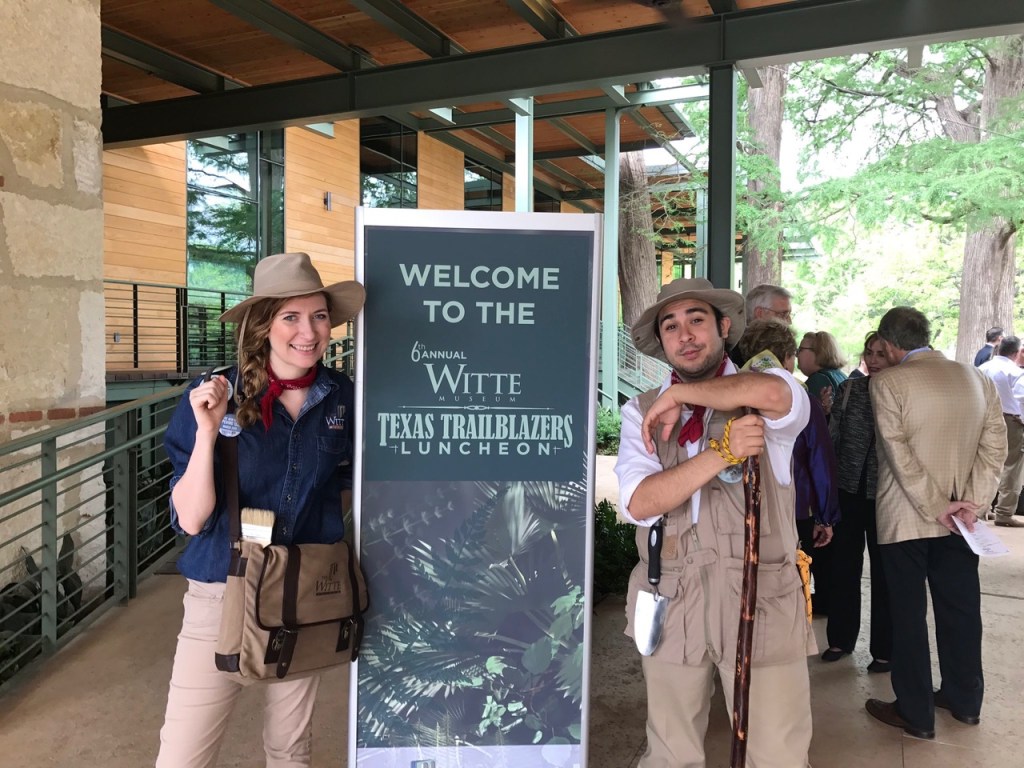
941,144
762,206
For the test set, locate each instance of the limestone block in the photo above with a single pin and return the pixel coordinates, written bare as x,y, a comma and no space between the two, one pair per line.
39,356
11,524
53,46
48,240
88,151
32,134
92,386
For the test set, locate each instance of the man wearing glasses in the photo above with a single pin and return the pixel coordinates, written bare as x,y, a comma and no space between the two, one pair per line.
767,301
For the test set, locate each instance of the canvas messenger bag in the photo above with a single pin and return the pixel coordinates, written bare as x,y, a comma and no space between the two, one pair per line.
288,609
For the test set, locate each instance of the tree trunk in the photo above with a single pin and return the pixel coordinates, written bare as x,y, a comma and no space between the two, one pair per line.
764,114
638,273
986,290
987,286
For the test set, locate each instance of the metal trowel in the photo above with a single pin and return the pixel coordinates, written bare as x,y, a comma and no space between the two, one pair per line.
649,616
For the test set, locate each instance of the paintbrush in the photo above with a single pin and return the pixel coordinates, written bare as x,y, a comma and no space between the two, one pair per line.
257,525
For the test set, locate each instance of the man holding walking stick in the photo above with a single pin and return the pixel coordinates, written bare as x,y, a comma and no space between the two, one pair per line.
680,470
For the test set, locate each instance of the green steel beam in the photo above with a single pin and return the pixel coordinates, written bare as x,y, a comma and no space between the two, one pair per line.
572,180
489,161
509,146
543,17
723,6
721,227
652,130
269,18
524,154
577,136
646,143
765,36
679,121
556,109
408,26
609,383
166,66
617,95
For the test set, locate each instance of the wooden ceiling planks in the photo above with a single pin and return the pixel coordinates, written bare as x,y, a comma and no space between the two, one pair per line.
127,83
213,38
201,32
350,26
592,17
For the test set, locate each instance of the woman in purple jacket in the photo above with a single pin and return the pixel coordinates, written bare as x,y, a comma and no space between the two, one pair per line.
770,343
853,434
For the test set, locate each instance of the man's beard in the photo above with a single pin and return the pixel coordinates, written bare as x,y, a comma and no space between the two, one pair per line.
705,370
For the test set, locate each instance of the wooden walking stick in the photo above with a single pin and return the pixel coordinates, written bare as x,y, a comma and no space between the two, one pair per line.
748,604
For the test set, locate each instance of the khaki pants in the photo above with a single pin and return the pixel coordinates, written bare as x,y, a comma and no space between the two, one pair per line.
679,701
1012,476
201,697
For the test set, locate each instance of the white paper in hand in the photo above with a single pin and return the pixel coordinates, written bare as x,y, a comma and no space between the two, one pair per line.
983,541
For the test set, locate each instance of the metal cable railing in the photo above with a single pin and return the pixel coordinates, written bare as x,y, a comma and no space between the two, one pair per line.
638,370
172,331
166,329
83,512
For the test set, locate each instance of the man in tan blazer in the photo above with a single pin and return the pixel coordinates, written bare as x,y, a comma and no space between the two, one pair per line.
941,442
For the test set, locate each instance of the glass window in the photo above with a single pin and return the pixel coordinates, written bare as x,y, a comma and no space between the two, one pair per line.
387,162
235,188
483,188
235,204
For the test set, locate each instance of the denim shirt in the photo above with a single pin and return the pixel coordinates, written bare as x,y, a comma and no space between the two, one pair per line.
297,469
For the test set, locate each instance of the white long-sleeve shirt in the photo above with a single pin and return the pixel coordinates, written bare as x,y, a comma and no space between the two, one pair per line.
1009,380
634,463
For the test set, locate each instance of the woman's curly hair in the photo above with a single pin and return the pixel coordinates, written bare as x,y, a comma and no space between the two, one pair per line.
253,353
772,334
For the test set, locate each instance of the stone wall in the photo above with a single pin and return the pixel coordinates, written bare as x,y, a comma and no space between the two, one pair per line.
51,234
51,214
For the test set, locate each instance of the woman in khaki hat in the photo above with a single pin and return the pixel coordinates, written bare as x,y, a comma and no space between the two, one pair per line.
293,420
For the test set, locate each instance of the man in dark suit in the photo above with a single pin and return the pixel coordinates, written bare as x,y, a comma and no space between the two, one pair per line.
992,338
925,479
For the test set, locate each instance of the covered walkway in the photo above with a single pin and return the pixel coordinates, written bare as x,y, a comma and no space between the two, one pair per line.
99,701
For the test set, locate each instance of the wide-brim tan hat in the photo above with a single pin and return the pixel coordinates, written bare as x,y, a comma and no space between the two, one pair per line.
729,303
293,274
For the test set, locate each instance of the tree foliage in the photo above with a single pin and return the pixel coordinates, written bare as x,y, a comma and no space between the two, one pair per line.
937,144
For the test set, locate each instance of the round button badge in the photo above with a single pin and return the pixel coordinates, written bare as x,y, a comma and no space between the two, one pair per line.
229,426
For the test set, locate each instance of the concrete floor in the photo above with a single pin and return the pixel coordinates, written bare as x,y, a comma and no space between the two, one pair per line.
100,700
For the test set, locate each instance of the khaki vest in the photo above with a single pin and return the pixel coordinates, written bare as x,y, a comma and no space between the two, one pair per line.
702,567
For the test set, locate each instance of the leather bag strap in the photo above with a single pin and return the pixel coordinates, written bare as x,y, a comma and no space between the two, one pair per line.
290,598
227,449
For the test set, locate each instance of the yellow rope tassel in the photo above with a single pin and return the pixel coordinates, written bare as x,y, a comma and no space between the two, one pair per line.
803,564
722,448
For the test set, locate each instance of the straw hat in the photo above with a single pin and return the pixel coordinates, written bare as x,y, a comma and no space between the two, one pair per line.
729,303
293,274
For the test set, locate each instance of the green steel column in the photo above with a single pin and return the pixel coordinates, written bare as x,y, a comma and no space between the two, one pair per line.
700,256
524,153
610,264
722,176
48,536
124,505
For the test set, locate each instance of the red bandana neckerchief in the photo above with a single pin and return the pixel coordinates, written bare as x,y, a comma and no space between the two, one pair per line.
276,387
693,430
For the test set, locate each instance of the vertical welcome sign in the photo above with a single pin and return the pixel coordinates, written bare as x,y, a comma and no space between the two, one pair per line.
476,395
